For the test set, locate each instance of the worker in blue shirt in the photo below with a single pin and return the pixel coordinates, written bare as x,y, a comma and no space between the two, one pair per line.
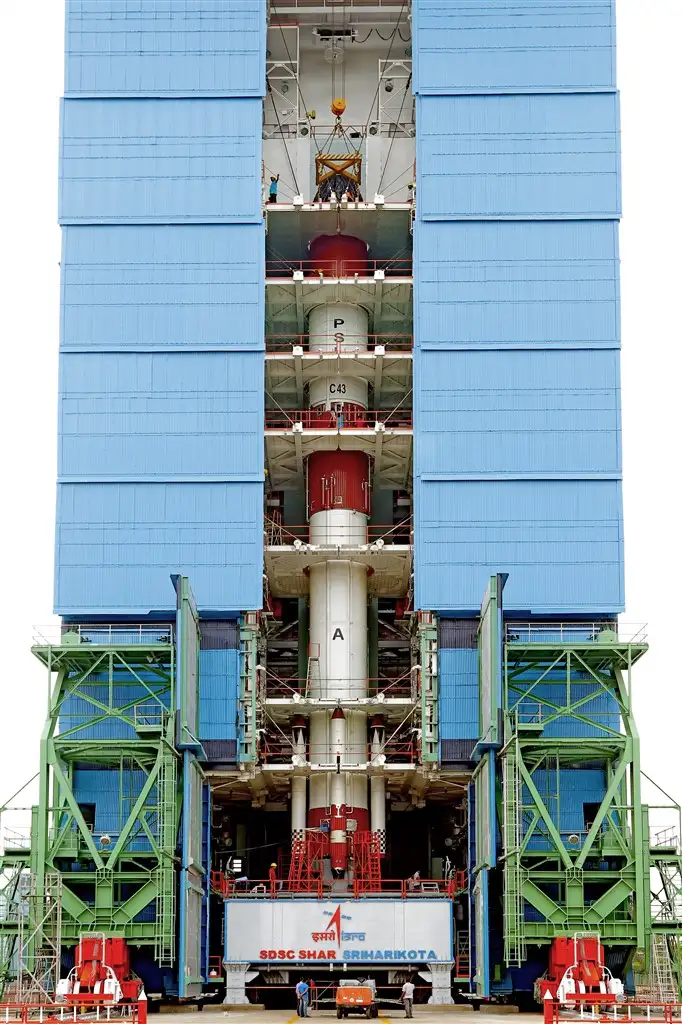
302,999
274,185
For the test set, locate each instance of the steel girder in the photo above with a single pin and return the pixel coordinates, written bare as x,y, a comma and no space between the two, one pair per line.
111,711
566,708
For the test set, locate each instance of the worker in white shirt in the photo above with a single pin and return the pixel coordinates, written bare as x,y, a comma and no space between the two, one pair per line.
407,995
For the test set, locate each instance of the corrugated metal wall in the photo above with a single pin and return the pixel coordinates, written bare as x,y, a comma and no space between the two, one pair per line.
165,48
514,46
161,381
517,416
458,682
218,687
113,794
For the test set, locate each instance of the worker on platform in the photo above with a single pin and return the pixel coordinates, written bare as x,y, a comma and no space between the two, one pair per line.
414,882
302,991
272,876
407,996
274,185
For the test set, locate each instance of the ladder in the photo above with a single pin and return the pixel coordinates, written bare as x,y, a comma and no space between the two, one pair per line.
367,861
305,869
313,682
166,786
663,986
462,957
514,937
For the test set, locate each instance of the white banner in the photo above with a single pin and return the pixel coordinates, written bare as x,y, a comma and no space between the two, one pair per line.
347,931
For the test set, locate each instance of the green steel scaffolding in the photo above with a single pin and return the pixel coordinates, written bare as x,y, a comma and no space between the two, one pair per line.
567,709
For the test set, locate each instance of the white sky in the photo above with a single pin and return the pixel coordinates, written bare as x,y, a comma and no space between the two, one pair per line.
649,33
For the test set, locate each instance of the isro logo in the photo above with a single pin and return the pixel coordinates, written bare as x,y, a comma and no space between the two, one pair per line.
333,930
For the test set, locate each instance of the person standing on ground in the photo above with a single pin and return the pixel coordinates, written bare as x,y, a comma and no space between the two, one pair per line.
407,995
302,998
272,876
274,185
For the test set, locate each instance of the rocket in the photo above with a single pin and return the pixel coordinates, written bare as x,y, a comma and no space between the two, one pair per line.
339,506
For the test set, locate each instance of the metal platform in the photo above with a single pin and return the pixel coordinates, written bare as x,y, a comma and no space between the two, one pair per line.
391,449
386,229
288,373
290,295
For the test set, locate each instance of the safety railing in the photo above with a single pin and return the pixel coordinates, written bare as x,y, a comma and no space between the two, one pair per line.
341,344
276,534
574,633
150,717
337,269
15,838
597,1007
282,750
323,995
230,887
114,635
374,686
87,1009
215,967
409,888
349,419
666,838
530,712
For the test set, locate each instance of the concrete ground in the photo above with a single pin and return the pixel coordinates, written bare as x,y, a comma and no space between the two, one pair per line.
424,1015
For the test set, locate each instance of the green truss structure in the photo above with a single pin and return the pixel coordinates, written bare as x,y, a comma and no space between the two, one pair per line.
566,706
112,695
120,880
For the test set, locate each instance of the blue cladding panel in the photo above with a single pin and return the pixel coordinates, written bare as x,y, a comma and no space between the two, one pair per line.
598,706
169,161
458,694
197,286
560,541
77,711
495,284
518,156
118,543
161,415
218,690
576,788
517,412
508,46
104,789
165,48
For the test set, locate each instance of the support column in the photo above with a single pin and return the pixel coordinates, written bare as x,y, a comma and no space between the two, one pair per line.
440,976
237,977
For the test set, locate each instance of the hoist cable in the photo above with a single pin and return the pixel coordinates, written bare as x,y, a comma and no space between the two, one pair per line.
279,125
388,55
400,112
298,77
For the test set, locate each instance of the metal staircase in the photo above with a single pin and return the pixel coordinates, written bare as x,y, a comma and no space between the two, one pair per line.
664,987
